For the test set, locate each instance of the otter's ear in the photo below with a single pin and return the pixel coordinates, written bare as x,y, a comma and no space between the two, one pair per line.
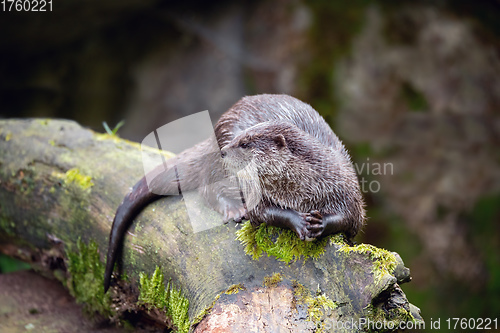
280,141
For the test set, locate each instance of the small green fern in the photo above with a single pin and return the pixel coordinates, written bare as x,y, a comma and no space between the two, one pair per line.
115,130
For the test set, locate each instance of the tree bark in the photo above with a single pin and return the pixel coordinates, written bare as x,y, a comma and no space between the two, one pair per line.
42,207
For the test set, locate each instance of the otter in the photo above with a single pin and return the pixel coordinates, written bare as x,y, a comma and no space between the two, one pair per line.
277,162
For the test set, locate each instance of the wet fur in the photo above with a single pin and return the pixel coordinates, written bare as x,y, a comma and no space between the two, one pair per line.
291,169
296,170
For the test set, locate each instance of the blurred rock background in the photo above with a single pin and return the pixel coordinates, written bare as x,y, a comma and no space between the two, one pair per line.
411,87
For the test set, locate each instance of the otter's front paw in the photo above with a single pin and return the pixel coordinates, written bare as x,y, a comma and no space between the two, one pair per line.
234,213
300,228
231,210
315,226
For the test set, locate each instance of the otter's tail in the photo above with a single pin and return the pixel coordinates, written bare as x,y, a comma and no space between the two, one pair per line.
164,180
134,202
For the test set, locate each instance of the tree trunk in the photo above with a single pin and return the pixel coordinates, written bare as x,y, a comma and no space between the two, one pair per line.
60,183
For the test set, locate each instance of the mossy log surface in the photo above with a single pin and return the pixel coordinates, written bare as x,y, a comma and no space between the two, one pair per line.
60,182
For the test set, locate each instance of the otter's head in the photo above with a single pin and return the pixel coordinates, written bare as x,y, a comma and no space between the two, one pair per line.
261,149
258,157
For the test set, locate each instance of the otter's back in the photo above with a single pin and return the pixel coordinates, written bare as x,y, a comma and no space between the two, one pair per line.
252,110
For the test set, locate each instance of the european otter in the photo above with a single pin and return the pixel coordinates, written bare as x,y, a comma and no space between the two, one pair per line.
292,170
290,179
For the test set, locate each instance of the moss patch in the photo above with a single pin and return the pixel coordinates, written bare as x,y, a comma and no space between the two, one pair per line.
384,262
280,243
316,305
234,289
120,142
87,277
74,176
154,294
43,122
273,280
389,318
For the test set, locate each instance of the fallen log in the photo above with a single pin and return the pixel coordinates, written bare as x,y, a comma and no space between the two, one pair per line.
60,185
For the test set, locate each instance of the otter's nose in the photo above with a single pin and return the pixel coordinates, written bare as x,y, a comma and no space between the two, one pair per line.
223,153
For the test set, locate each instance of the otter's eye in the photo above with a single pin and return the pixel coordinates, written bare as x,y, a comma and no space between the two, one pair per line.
244,145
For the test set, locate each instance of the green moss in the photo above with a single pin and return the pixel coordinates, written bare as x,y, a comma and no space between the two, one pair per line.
74,176
117,140
114,138
384,262
316,305
177,308
316,309
8,136
154,294
338,239
86,278
387,318
273,280
246,235
52,143
280,243
44,122
152,290
234,289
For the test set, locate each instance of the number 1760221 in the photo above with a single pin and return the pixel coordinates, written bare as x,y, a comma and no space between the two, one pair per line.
26,5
